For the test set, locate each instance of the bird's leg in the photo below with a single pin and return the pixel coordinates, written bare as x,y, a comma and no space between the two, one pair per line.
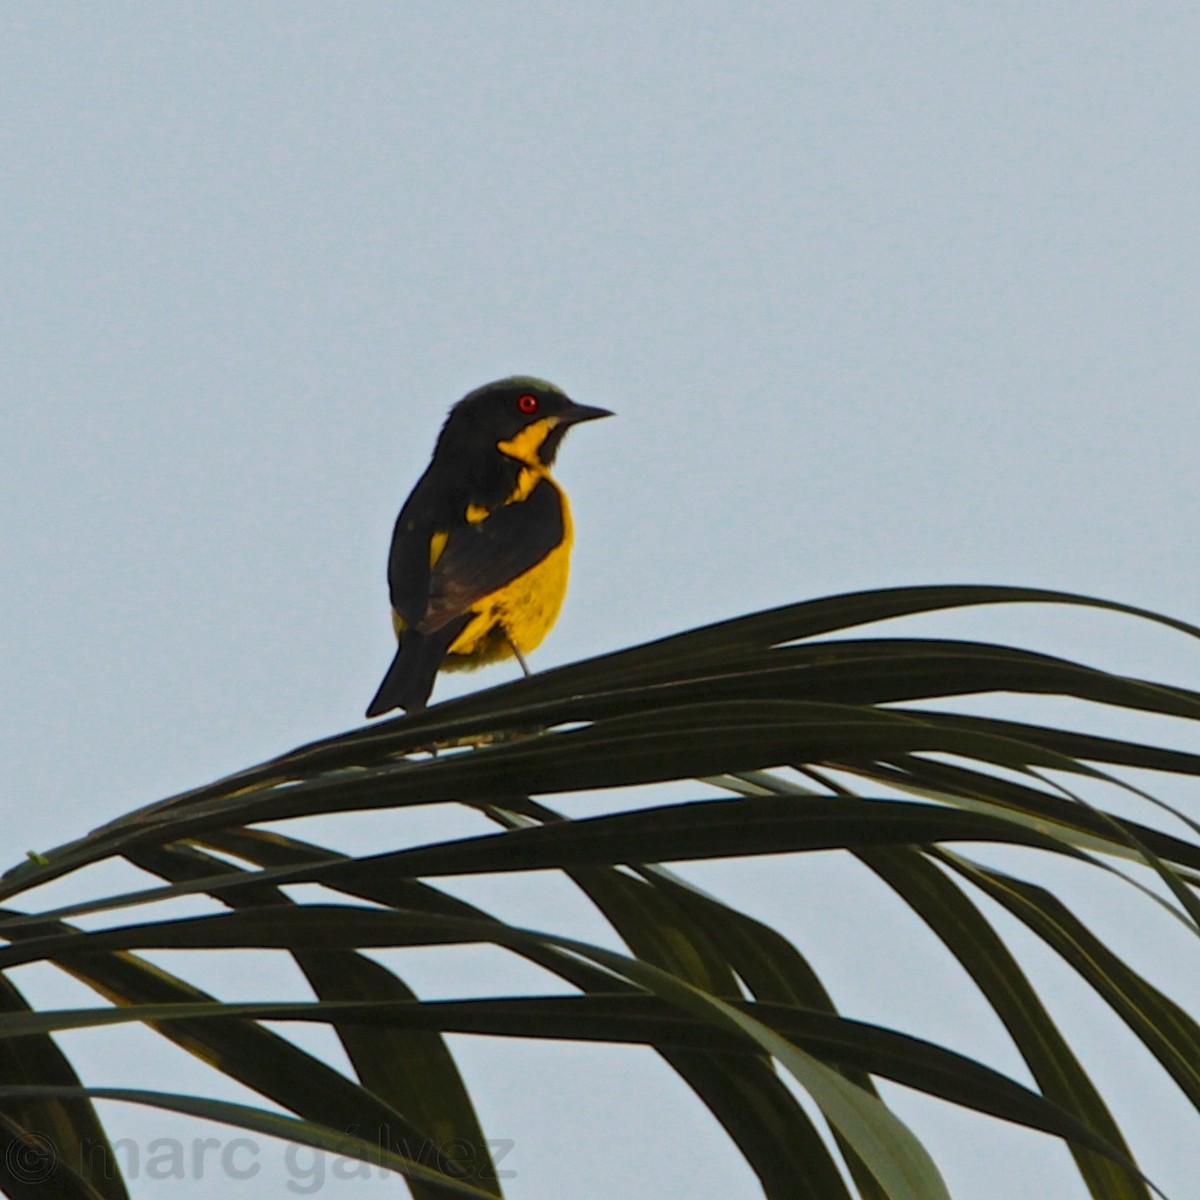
520,657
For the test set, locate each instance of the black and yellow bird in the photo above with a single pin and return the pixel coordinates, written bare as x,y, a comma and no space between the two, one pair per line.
478,565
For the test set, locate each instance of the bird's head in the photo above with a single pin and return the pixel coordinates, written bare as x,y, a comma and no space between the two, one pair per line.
524,417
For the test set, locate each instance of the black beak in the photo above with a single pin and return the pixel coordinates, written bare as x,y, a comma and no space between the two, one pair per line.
574,413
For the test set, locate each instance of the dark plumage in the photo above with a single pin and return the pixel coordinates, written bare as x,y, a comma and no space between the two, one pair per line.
478,564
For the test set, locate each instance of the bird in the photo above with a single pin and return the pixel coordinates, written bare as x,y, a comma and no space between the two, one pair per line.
479,556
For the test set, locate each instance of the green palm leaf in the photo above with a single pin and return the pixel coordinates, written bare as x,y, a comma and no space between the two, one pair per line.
730,1004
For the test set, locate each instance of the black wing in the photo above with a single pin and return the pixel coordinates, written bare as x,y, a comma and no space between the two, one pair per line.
432,508
480,558
477,560
408,569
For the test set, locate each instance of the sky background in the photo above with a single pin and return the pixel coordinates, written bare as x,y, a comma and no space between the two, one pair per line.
881,294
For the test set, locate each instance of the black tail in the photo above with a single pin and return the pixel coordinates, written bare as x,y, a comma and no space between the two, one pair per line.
409,679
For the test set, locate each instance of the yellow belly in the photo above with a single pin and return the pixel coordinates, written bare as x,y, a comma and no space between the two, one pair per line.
522,612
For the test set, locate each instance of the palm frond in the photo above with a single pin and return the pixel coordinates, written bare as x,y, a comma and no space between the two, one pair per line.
800,738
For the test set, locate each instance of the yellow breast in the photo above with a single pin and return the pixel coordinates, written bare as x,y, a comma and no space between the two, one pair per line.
521,612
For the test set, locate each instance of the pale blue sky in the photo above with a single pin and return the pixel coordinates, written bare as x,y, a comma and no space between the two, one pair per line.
881,294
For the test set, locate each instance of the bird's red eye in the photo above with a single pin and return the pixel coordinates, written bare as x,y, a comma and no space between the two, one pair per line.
527,403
